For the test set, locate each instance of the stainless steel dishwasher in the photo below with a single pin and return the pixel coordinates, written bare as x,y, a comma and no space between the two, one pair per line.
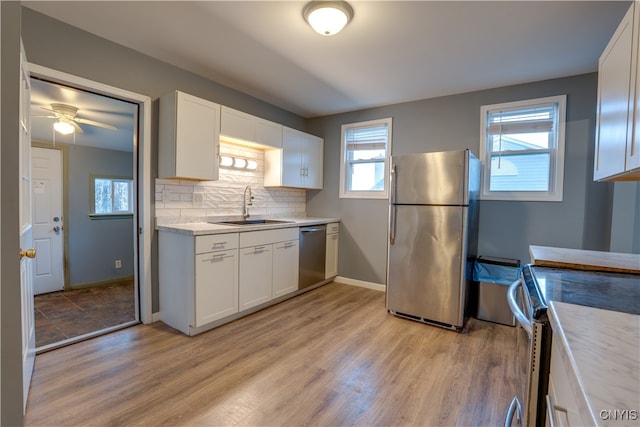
312,255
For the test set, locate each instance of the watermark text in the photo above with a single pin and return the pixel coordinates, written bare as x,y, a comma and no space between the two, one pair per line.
619,415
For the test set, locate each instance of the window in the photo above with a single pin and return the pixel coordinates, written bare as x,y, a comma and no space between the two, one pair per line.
365,159
111,196
522,150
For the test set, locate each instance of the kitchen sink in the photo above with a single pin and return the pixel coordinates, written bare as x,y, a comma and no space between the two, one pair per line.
253,222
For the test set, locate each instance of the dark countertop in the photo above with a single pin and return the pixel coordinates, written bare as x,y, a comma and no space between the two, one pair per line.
604,290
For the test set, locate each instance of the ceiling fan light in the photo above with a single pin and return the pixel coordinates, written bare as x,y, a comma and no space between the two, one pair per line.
63,127
327,17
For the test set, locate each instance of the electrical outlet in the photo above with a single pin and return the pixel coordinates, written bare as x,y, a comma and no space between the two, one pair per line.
118,263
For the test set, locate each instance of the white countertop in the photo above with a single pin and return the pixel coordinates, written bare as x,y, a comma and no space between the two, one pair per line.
584,260
202,228
603,349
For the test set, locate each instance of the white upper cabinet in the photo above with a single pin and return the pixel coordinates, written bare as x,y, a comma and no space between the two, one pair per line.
245,128
189,133
299,164
617,154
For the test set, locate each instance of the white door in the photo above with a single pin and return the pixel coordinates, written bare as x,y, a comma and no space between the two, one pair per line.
46,178
27,252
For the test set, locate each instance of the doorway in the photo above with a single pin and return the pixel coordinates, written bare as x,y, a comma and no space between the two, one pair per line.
99,220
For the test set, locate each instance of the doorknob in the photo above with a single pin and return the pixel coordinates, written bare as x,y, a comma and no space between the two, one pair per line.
29,253
56,228
56,218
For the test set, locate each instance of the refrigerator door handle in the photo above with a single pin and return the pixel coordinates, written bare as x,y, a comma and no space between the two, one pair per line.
392,224
393,185
392,207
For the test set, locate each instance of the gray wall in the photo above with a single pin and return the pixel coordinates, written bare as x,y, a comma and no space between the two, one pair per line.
59,46
452,123
625,215
95,244
10,321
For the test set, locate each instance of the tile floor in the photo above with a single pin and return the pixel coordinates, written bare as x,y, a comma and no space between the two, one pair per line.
68,314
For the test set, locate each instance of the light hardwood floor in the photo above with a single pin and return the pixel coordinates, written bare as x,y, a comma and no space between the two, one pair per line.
330,357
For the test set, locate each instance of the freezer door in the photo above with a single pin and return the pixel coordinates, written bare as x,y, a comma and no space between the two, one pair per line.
426,267
430,178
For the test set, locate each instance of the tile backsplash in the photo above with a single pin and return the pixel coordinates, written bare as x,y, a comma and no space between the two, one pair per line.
180,201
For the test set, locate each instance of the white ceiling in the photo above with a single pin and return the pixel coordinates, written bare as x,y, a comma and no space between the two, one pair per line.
392,51
90,106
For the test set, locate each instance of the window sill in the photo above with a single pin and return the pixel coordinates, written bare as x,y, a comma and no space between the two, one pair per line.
110,216
522,197
364,195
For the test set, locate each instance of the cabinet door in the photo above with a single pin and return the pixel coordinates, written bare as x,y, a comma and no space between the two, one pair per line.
285,267
633,149
292,146
313,161
563,407
614,77
236,124
216,293
331,269
267,133
197,134
255,276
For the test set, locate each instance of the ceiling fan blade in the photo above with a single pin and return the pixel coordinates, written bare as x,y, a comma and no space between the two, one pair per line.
94,123
77,128
46,117
49,109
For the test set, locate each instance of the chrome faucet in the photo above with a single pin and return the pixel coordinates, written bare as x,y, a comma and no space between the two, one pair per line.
245,209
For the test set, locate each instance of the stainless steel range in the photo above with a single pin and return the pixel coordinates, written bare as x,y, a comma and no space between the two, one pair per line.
528,300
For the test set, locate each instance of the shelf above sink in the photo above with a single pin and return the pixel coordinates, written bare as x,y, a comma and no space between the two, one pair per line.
253,222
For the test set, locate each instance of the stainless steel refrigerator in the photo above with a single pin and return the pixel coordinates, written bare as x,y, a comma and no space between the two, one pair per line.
433,223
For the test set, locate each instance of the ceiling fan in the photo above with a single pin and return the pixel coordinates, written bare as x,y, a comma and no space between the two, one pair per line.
67,121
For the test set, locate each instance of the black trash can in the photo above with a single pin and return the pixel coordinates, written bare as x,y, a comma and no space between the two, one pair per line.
493,276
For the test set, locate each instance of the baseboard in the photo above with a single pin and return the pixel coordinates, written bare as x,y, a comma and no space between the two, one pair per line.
361,283
156,317
106,282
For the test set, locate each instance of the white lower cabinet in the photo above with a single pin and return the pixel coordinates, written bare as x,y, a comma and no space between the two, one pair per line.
265,272
333,239
216,286
212,279
256,266
285,267
562,406
198,279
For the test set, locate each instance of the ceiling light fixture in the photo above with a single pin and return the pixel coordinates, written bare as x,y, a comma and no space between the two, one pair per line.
63,127
327,17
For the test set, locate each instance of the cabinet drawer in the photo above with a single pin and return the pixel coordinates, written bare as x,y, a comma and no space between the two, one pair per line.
216,242
263,237
333,228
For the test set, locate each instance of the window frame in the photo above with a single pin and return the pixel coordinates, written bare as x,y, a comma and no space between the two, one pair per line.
345,193
556,153
92,192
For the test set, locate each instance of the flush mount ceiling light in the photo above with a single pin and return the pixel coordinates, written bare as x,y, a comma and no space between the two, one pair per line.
64,127
327,17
